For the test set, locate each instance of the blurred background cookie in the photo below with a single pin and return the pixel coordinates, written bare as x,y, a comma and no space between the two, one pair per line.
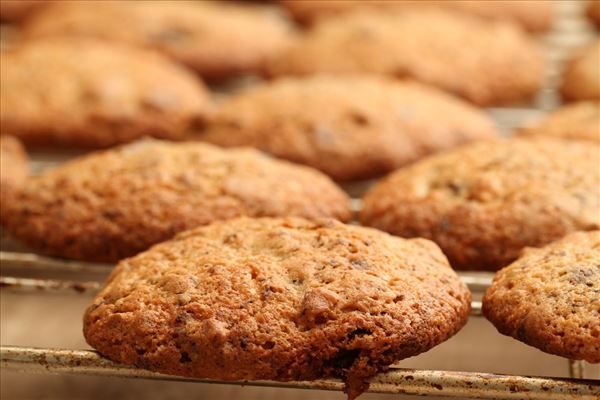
549,299
112,204
353,127
18,10
579,120
83,92
533,15
581,77
216,39
593,11
482,61
484,202
13,165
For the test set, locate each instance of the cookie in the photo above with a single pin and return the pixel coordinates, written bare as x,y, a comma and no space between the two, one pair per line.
115,203
550,298
278,299
593,11
486,62
581,77
348,127
18,10
533,15
216,40
484,202
90,93
574,121
13,165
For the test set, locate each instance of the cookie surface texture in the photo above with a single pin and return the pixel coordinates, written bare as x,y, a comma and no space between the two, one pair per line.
13,165
216,39
581,79
459,53
484,202
549,298
88,93
533,15
113,204
348,127
579,121
278,299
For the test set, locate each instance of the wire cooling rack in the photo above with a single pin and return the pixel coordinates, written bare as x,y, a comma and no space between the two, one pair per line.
60,276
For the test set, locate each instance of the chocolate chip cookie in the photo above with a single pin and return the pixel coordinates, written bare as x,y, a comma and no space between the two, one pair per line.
573,121
115,203
486,62
550,298
581,77
13,165
89,93
348,127
533,15
278,299
484,202
216,39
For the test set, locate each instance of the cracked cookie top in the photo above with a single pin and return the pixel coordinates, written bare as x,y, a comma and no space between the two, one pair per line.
112,204
281,299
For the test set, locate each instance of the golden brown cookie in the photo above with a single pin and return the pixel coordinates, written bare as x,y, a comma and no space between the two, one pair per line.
18,10
278,299
593,11
482,61
550,298
533,15
348,127
90,93
115,203
573,121
581,77
484,202
215,39
13,165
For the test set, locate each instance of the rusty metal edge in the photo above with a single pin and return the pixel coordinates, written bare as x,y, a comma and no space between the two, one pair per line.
396,380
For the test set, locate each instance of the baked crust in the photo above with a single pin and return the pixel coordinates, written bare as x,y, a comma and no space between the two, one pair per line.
113,204
216,39
484,202
278,299
579,121
533,15
81,92
550,298
581,79
348,127
486,62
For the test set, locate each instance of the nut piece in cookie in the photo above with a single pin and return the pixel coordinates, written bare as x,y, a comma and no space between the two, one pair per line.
278,299
216,39
581,77
353,127
486,62
89,93
580,121
484,202
550,298
113,204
